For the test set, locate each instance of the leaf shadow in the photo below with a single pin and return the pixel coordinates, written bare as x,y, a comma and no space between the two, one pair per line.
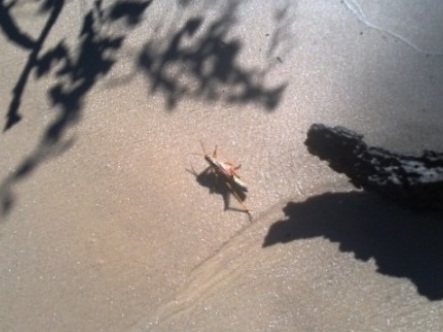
403,243
76,74
201,49
201,61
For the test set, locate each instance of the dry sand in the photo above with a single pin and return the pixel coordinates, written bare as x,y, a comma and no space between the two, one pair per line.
104,229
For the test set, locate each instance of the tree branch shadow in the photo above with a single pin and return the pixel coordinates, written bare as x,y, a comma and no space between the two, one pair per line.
76,75
12,31
403,243
205,56
202,63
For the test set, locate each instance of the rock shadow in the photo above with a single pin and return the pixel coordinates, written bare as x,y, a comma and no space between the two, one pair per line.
403,243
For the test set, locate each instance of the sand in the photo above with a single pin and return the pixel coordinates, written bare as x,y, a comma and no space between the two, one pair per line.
104,226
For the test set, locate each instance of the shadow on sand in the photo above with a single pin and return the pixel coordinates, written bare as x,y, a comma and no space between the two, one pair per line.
404,243
76,72
208,179
200,61
196,60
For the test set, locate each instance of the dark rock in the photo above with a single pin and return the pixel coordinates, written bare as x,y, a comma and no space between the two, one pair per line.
416,181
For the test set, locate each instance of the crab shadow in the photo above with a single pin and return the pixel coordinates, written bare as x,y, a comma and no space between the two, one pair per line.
403,243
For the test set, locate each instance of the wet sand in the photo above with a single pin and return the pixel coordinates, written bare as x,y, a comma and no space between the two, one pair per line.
103,227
